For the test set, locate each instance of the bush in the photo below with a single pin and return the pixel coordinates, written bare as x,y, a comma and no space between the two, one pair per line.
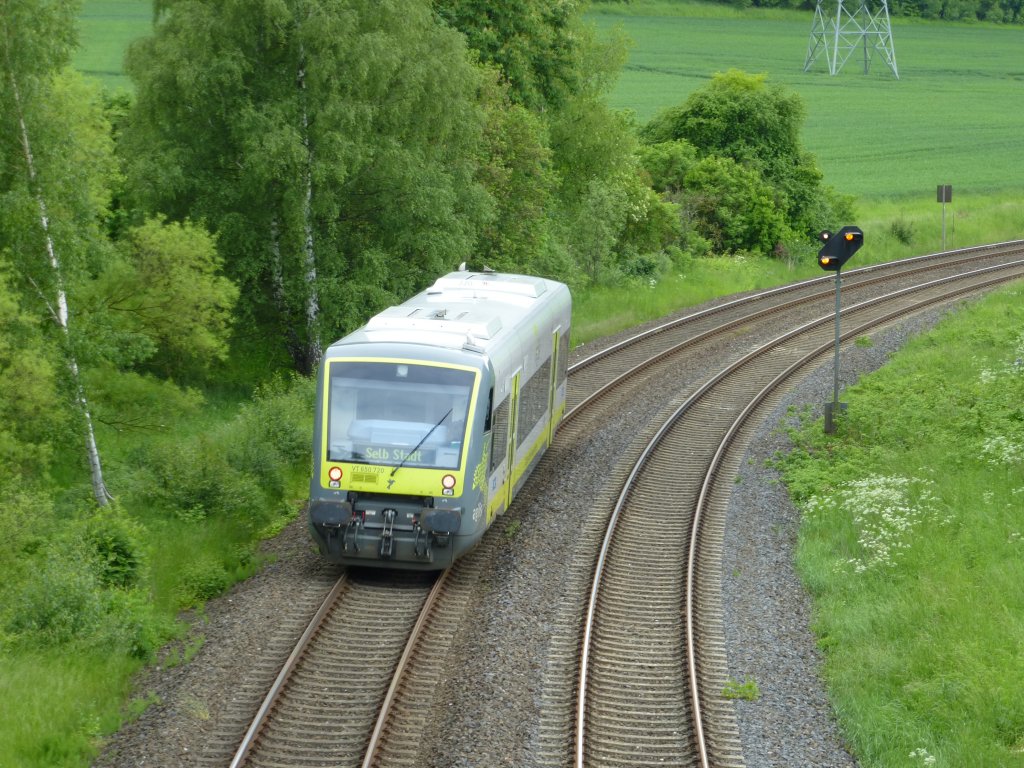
133,624
274,432
21,524
733,207
201,580
73,592
903,231
194,480
239,471
115,544
59,602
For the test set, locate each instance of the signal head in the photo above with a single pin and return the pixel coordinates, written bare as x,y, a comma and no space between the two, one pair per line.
836,250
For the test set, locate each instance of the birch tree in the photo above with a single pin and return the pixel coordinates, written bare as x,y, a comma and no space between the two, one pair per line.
331,146
36,37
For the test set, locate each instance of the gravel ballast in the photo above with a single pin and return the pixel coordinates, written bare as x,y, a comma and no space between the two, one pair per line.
488,714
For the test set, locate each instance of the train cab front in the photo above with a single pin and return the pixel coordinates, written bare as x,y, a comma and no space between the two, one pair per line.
390,481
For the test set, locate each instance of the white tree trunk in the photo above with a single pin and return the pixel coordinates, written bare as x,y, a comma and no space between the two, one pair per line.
99,488
314,347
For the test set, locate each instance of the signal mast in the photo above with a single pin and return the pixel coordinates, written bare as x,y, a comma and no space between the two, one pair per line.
839,33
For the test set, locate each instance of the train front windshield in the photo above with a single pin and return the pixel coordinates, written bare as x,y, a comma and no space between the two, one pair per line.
397,413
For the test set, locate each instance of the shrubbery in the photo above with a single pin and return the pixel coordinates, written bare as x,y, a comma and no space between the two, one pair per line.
85,578
85,587
730,156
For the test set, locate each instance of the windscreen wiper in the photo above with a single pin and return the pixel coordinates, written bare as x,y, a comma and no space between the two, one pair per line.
421,442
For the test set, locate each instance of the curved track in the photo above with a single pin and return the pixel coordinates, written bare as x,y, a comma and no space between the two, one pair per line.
635,705
358,690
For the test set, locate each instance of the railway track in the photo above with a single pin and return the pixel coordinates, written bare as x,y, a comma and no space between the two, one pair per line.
601,370
327,696
360,691
653,665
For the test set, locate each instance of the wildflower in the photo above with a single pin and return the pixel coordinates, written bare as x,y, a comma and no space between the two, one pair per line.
885,510
922,754
1001,450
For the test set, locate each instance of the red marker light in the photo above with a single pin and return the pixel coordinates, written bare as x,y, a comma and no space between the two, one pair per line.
335,473
448,481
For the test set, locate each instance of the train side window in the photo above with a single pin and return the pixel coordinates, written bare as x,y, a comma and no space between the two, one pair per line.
563,359
499,434
490,407
534,401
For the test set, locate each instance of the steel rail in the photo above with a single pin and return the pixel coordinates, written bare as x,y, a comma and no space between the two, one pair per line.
658,438
964,255
373,746
260,720
738,423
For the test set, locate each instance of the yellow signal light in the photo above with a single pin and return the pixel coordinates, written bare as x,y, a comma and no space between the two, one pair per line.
849,236
825,259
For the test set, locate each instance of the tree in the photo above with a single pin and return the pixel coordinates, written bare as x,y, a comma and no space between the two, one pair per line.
36,37
161,304
331,147
739,116
534,43
734,206
517,172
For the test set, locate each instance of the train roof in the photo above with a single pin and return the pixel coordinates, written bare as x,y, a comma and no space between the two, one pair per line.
464,310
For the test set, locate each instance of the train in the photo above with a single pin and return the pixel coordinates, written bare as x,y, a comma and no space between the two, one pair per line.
430,418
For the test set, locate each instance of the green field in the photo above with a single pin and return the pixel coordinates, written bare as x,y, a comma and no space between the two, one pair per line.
953,117
107,27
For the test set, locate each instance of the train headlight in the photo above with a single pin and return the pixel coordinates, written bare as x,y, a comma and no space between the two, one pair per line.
448,482
334,473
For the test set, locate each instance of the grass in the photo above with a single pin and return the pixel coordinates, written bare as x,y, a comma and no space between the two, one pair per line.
604,310
46,720
912,544
951,118
106,28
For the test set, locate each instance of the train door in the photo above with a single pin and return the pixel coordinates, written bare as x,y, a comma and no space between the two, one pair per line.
513,419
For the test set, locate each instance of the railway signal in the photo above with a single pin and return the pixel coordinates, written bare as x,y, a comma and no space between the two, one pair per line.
838,248
835,251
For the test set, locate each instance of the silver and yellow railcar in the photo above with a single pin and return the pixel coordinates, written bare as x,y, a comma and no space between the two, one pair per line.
430,418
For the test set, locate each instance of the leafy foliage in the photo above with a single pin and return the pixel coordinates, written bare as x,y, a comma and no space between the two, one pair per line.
334,164
734,206
911,541
164,297
768,188
535,44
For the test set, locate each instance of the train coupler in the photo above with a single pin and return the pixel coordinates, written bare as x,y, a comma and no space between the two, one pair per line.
387,537
421,543
351,536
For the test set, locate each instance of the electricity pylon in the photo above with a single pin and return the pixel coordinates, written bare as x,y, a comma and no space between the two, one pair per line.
841,33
